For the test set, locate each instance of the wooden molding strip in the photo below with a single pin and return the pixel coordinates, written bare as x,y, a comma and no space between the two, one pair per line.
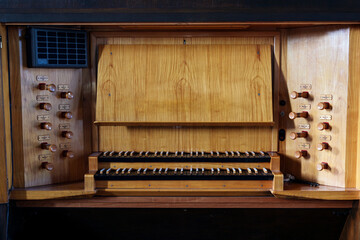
186,202
195,124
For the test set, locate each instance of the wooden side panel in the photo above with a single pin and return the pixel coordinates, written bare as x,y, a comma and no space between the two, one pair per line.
184,83
318,62
27,117
353,112
5,138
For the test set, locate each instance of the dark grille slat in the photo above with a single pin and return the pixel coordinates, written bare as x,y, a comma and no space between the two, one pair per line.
57,48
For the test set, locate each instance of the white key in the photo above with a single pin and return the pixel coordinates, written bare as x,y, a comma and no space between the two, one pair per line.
227,171
265,170
145,170
139,171
218,170
117,171
238,153
181,171
166,170
123,171
160,171
249,170
154,171
197,171
262,153
108,171
240,171
111,153
129,171
212,171
125,154
102,171
253,153
132,153
175,171
121,152
202,170
255,170
234,171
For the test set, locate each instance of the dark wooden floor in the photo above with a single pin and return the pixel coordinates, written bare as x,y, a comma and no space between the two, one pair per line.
108,223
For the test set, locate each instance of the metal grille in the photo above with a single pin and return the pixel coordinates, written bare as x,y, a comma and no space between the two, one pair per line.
57,48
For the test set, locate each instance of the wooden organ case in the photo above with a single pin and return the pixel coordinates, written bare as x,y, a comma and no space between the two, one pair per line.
183,110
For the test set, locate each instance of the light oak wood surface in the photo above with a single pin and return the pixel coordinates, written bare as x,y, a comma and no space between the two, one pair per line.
184,83
27,134
5,131
322,62
186,202
188,138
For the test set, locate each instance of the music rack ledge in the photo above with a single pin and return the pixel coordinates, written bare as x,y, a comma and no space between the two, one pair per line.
185,124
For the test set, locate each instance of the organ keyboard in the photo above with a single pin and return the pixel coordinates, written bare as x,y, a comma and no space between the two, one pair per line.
231,170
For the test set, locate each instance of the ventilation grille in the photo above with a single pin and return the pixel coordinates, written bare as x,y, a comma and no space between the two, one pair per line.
57,48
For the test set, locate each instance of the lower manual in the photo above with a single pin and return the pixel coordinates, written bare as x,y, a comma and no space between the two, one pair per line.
184,174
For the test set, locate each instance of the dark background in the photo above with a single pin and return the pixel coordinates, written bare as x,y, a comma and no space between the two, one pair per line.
177,11
176,224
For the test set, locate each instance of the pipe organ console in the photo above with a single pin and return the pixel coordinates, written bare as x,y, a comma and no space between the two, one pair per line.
181,111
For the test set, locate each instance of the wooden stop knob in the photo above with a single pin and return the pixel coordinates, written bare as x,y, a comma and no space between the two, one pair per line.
67,134
48,166
46,125
302,153
323,105
322,146
68,154
67,95
49,87
45,106
323,125
48,146
295,95
294,115
67,115
295,135
322,166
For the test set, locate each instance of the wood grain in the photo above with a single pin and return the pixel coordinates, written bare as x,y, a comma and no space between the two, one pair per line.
5,138
322,192
320,57
51,192
353,112
261,185
26,126
184,83
186,202
121,138
186,138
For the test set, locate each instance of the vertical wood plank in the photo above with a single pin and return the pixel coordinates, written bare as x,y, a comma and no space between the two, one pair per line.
5,138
